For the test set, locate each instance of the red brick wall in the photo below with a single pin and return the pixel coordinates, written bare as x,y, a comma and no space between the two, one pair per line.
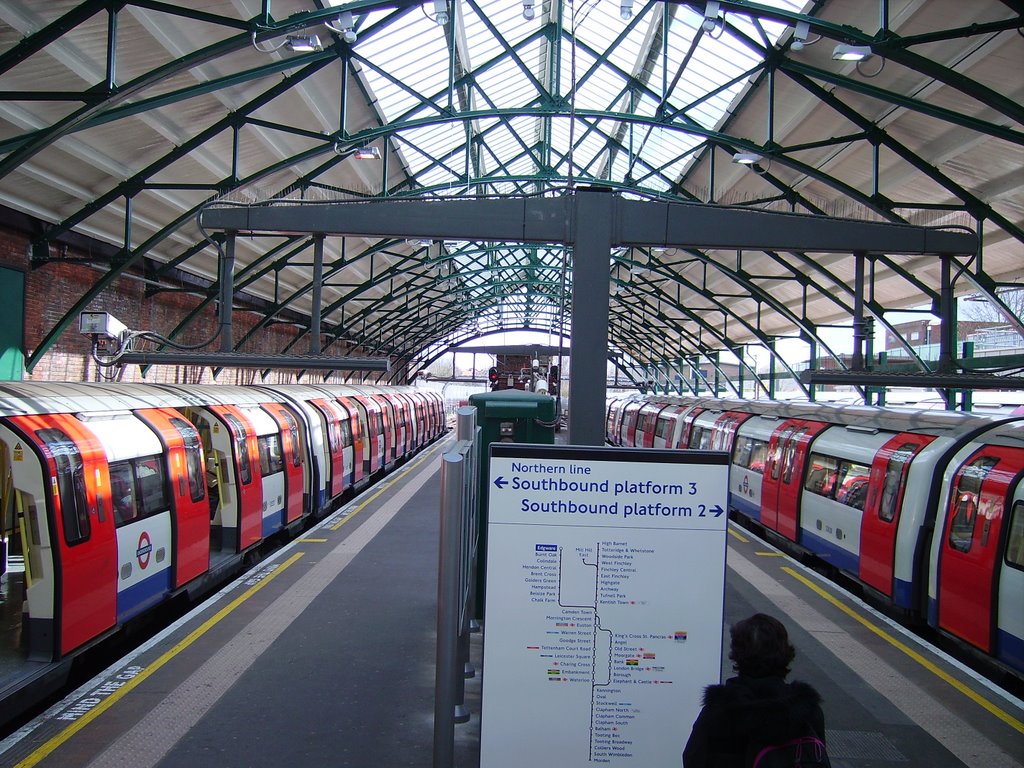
51,290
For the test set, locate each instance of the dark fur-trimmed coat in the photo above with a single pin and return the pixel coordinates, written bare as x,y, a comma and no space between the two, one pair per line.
749,711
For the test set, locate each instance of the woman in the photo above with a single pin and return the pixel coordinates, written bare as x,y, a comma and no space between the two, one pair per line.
757,707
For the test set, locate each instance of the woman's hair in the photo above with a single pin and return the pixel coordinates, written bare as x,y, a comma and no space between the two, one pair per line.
760,647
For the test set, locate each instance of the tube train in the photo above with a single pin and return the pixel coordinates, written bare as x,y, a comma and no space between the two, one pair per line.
924,509
120,497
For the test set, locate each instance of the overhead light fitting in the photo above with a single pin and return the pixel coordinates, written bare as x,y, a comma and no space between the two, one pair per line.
441,12
296,43
712,20
845,52
528,9
345,26
303,43
800,32
359,153
626,9
747,158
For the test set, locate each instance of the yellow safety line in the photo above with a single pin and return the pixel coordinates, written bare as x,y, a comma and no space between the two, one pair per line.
977,698
770,554
733,533
313,541
46,749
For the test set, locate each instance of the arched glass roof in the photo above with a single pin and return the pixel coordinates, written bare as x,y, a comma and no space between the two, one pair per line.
120,124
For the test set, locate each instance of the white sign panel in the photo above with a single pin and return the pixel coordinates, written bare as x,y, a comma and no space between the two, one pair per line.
604,604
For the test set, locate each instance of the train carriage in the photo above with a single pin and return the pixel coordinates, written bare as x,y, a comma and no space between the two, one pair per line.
924,508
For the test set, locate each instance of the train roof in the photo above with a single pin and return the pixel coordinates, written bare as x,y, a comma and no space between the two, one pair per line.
866,416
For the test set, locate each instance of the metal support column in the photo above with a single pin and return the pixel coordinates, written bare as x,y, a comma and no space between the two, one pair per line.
226,278
318,279
589,353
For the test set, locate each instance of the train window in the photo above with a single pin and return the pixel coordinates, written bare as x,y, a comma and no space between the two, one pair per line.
193,458
74,507
750,453
1015,539
777,454
346,433
852,484
122,490
271,461
821,474
895,471
964,504
152,488
661,427
700,438
789,455
241,449
293,437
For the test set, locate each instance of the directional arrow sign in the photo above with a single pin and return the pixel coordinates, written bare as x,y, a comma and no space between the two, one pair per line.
501,482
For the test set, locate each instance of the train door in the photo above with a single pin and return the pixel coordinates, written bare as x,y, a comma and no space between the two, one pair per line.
783,478
389,429
190,519
270,466
238,520
356,434
373,437
686,428
724,430
1009,642
881,518
630,417
58,473
970,549
330,418
291,459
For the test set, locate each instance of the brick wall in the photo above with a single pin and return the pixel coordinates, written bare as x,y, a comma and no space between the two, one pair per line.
51,290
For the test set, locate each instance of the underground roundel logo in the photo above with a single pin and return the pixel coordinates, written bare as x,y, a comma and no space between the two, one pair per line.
143,550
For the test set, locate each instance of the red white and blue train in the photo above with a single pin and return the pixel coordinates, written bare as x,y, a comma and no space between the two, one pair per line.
924,509
121,497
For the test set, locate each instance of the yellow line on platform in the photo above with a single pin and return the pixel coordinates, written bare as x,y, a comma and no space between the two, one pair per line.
46,749
977,698
313,541
770,554
741,537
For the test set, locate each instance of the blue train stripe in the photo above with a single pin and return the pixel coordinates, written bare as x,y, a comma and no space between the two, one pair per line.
133,600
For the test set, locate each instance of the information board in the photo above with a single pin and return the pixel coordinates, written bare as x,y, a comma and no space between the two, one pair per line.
604,603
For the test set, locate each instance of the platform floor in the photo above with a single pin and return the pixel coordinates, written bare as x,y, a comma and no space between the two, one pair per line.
324,656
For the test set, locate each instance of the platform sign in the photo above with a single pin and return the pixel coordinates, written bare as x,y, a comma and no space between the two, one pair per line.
604,605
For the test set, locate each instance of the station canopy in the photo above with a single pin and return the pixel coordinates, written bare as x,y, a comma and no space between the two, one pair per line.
120,121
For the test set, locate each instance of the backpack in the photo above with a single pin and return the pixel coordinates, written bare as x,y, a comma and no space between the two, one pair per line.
801,752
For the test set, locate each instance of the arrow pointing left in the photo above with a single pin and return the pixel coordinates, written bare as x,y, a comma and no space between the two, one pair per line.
500,481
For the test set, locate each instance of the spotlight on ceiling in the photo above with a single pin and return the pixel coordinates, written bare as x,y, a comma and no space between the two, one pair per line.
712,19
303,43
345,26
528,9
747,158
626,9
441,12
800,32
845,52
367,153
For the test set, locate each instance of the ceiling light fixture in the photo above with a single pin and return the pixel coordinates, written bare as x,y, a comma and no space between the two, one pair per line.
296,43
345,26
441,12
528,9
359,153
800,32
626,9
712,20
747,158
846,52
